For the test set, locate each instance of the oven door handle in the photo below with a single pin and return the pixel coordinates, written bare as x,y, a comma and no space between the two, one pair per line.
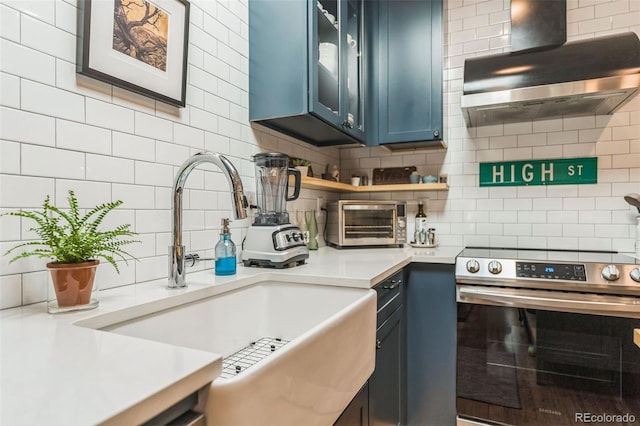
582,303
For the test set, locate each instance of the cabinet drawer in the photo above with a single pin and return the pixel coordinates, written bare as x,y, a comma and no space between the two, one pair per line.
389,296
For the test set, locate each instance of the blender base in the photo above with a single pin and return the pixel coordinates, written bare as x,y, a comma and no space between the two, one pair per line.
275,246
265,263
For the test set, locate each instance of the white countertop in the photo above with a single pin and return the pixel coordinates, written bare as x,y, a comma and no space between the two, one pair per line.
56,373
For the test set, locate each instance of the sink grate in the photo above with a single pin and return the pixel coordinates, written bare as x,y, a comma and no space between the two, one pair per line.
246,357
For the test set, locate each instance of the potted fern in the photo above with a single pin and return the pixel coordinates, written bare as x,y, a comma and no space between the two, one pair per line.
75,243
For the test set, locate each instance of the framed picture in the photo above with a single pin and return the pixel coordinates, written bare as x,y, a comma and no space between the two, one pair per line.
139,45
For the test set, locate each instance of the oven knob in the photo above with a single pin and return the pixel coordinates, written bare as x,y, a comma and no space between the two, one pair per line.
610,273
635,274
473,266
495,267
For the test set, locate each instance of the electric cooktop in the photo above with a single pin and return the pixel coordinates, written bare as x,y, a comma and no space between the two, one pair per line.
585,271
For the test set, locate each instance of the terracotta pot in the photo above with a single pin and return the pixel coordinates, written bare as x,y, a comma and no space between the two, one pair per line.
73,282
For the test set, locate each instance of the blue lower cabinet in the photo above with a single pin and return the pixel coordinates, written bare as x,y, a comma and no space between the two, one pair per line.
357,412
431,314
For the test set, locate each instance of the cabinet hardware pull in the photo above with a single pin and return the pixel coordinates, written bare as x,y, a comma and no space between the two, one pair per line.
393,285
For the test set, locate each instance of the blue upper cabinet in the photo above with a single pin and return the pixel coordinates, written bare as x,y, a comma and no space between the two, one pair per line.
405,77
306,70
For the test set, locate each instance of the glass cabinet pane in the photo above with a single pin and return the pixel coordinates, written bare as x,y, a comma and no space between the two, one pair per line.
354,64
328,67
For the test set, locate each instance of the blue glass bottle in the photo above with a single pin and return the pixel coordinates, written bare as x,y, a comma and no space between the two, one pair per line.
225,251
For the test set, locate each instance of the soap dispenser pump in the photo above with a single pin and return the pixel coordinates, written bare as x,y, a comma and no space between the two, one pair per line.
225,251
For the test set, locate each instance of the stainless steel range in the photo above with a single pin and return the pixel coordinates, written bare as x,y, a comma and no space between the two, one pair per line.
547,337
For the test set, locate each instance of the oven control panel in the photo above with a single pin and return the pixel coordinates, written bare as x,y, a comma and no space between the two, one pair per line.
551,271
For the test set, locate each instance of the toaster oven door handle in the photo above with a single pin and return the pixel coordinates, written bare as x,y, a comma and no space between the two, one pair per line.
608,305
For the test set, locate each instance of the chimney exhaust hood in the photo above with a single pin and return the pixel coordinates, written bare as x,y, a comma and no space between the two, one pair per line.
594,76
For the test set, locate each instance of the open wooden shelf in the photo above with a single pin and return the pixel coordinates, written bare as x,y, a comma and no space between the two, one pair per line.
327,185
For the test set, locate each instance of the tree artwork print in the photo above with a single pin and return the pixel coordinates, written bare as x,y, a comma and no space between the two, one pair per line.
140,30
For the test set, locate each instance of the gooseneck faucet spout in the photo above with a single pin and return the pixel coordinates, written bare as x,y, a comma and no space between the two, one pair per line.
177,255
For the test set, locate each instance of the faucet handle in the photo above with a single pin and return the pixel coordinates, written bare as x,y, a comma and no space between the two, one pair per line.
193,259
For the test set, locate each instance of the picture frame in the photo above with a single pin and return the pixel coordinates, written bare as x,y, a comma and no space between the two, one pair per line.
139,45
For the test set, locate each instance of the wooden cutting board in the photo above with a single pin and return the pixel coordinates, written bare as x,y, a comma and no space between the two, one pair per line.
392,175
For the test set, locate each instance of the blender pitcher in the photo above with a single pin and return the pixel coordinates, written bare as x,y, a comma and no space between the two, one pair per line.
272,188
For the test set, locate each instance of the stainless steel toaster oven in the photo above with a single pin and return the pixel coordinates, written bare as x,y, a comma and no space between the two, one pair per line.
364,223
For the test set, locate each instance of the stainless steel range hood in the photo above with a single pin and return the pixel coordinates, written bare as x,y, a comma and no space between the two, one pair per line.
595,76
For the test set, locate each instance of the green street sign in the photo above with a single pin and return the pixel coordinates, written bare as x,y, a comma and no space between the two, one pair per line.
559,171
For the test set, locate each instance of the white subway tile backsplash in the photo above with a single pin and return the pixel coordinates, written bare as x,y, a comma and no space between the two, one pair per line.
24,191
134,147
594,216
168,153
109,169
47,38
107,276
10,291
626,132
216,105
133,100
532,217
27,63
51,101
151,268
153,174
66,16
188,136
134,196
613,175
580,14
111,116
611,8
9,157
625,21
594,244
9,90
89,193
592,26
42,10
624,161
578,230
52,162
35,287
153,127
204,120
21,126
613,231
536,139
153,221
80,137
551,125
9,23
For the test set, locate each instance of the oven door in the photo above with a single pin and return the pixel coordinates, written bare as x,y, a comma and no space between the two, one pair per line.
538,357
367,224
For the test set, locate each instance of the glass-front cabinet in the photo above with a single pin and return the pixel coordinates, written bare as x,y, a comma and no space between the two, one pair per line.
337,63
306,73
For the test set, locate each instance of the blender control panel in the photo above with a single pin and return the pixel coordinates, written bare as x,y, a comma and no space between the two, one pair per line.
287,238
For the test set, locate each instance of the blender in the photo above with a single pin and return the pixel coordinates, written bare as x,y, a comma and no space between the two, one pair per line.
272,241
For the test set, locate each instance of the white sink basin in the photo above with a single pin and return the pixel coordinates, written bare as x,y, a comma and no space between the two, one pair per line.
308,381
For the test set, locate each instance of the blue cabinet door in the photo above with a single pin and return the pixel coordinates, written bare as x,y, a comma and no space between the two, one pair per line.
406,78
431,344
298,69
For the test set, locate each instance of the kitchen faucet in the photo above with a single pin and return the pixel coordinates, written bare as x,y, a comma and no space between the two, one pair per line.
177,255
